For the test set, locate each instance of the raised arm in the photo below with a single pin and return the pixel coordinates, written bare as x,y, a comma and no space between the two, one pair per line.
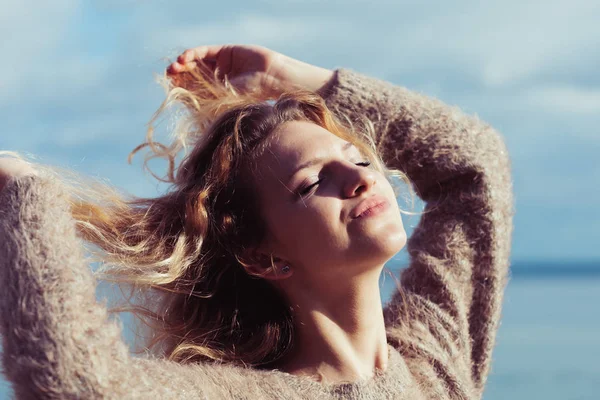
459,252
57,339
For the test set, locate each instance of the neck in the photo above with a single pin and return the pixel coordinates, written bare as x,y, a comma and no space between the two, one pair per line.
339,331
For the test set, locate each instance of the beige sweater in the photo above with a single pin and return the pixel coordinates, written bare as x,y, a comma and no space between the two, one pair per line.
59,343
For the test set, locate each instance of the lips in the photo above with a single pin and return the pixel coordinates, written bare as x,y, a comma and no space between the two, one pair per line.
367,204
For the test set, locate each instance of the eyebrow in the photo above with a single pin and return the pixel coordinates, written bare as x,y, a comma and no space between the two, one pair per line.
315,161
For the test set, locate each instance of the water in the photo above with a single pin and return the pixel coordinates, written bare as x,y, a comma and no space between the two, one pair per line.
548,344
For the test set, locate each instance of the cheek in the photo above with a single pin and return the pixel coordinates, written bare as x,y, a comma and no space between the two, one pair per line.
306,228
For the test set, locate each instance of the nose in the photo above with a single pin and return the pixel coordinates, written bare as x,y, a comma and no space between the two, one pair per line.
360,179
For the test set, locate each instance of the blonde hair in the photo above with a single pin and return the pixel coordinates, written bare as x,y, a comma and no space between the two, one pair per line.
182,255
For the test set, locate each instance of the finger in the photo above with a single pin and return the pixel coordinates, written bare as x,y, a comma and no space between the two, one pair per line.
188,60
176,68
209,52
199,53
185,61
171,69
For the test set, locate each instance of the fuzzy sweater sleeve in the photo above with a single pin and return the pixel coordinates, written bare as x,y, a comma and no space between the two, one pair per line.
459,252
58,342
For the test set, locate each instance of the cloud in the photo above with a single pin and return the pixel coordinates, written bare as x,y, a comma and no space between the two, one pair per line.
78,77
31,35
274,32
35,28
504,43
565,99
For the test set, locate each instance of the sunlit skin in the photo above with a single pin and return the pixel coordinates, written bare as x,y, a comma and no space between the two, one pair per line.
335,260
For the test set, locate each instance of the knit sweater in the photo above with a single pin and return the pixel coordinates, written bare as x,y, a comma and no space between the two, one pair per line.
59,342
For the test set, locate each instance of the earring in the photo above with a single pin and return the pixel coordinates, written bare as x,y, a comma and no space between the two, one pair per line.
285,269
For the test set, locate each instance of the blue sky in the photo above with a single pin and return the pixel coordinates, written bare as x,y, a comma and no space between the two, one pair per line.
77,88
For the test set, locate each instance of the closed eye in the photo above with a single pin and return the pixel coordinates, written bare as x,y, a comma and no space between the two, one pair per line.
307,190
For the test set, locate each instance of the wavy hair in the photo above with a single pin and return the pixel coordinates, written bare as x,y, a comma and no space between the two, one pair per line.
183,255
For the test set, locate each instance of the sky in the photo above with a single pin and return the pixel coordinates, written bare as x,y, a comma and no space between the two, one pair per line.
77,83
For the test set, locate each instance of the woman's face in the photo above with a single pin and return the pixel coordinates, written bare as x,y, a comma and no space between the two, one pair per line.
310,187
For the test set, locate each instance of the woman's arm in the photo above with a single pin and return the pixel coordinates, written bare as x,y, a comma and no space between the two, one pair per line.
459,252
58,342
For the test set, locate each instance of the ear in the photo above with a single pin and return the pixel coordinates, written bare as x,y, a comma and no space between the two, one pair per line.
266,266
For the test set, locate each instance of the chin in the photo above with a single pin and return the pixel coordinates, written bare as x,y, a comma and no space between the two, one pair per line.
380,248
394,242
390,235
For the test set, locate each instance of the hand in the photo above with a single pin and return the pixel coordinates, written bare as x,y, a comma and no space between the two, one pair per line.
251,67
12,168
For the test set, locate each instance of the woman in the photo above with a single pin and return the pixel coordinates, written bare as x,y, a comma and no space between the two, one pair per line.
260,265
